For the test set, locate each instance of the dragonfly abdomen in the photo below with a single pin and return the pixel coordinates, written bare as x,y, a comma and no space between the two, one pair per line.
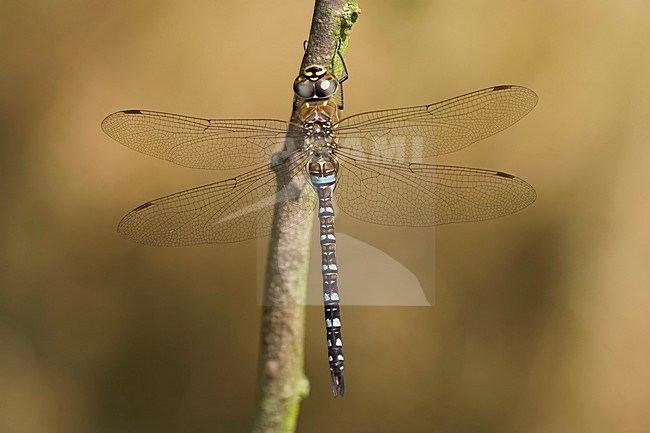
323,169
330,286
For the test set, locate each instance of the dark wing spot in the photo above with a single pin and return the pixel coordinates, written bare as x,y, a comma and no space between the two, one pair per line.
142,207
503,87
132,112
506,175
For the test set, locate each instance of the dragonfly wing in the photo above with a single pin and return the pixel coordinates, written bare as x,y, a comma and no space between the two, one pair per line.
413,133
228,211
195,142
403,194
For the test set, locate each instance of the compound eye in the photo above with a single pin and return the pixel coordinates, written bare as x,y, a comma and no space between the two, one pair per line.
325,87
303,88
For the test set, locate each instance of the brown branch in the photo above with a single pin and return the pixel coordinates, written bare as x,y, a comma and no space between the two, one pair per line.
282,381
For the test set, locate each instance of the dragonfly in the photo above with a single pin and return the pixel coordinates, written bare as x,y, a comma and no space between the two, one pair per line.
370,163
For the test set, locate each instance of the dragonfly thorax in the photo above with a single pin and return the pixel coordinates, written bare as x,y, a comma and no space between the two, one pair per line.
323,111
319,120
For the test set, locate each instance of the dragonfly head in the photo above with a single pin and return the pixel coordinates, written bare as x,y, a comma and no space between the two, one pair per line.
315,82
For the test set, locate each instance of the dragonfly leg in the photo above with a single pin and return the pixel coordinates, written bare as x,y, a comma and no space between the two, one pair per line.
343,77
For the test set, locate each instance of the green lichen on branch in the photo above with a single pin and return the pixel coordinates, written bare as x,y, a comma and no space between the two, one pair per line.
350,14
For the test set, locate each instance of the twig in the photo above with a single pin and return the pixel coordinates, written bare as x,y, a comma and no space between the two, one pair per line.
282,382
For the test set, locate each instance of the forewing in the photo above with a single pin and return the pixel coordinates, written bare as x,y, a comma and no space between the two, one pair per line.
195,142
413,133
228,211
403,194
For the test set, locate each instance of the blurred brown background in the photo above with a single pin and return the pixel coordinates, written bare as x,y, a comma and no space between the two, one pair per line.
541,318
